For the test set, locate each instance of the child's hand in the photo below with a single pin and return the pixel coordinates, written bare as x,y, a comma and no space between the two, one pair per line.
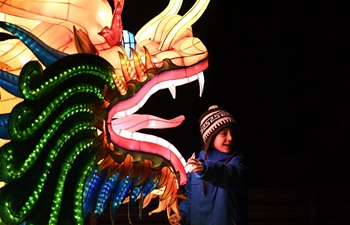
188,167
195,166
174,219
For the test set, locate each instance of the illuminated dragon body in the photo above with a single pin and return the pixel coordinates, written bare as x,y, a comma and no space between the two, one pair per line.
68,125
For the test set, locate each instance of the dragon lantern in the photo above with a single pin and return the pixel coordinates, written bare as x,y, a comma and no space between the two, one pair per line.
71,82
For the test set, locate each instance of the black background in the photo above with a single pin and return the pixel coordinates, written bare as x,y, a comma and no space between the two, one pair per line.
281,69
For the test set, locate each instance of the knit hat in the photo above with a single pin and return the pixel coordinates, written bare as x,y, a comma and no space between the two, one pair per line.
212,121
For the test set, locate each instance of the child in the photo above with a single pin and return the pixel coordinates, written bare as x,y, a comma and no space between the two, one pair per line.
216,189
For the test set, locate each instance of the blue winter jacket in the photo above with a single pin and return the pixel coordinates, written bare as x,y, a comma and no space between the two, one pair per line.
225,202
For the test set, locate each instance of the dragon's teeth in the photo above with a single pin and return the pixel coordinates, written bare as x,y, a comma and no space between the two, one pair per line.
176,152
165,84
138,136
144,100
173,91
171,85
125,134
154,89
201,83
192,78
121,114
180,81
132,110
163,143
151,138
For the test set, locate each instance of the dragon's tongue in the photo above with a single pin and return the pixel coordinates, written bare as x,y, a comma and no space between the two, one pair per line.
137,122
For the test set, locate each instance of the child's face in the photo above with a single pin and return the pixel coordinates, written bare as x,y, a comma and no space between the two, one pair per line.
223,141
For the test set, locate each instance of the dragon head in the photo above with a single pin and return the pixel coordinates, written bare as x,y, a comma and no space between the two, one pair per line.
163,54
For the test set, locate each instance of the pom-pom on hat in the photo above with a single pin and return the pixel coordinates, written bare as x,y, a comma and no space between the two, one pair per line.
212,121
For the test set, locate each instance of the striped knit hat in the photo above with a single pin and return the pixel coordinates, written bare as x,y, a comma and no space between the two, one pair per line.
212,121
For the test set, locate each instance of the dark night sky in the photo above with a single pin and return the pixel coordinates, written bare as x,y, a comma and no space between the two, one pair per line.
281,69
